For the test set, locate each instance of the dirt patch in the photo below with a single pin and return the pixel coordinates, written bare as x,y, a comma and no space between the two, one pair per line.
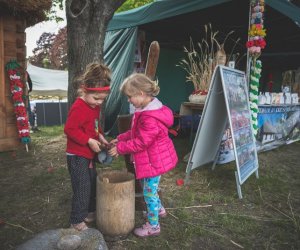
35,196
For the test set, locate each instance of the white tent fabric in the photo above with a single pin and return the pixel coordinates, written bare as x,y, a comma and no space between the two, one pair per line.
48,81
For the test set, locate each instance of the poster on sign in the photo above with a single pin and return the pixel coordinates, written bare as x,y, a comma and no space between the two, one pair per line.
226,112
239,114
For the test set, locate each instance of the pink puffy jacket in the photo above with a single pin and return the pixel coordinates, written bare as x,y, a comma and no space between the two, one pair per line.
152,150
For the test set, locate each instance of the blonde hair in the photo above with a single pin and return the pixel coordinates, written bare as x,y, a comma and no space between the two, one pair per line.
95,75
137,82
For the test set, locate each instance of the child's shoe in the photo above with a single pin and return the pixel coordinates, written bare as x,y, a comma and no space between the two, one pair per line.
90,218
80,226
147,230
162,212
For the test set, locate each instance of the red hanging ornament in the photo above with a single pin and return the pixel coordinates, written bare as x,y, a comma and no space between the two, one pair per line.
17,92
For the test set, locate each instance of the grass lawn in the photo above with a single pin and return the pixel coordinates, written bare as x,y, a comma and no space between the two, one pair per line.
35,196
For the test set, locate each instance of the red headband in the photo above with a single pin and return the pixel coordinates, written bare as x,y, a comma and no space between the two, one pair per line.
102,89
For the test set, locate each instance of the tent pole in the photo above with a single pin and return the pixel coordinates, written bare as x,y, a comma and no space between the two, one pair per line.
248,66
44,112
60,113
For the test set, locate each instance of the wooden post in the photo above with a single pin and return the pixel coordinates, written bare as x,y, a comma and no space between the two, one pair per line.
152,60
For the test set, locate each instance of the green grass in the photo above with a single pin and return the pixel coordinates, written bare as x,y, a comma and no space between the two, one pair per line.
48,132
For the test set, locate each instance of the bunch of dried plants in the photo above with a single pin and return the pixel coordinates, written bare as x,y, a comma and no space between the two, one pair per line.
201,60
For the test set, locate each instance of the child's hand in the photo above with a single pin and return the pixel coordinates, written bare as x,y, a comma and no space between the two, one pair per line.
94,145
114,141
103,140
113,151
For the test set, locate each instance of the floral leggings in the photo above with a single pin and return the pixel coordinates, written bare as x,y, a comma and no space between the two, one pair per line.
150,189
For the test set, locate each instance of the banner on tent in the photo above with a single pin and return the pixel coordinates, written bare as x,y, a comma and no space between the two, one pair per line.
277,125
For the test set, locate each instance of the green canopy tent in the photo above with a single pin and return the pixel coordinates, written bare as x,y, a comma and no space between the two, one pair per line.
172,23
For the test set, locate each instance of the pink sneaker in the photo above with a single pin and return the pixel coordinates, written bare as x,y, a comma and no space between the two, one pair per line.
162,212
147,230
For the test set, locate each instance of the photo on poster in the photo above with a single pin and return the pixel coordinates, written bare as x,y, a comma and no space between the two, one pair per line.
277,125
236,96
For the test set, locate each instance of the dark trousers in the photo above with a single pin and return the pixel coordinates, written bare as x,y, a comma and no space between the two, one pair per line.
83,179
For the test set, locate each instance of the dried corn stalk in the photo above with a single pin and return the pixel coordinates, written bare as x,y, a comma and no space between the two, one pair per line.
201,61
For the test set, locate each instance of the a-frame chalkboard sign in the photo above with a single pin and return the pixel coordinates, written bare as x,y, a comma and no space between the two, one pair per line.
227,102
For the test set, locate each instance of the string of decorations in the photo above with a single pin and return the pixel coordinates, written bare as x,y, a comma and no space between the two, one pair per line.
17,92
255,74
255,44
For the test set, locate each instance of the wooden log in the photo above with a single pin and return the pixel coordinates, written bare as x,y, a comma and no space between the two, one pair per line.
152,60
20,40
3,85
12,35
20,25
9,24
21,58
11,129
2,121
8,144
10,49
115,213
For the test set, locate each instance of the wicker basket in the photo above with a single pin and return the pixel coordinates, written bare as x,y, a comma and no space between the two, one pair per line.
196,98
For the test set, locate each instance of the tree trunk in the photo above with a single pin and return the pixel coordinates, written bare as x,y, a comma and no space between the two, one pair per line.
87,21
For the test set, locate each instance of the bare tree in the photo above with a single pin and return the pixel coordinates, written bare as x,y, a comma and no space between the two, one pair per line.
87,21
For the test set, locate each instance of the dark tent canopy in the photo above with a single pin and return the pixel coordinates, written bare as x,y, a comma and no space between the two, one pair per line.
173,22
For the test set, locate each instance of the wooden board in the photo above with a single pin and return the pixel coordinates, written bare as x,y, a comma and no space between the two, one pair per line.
12,46
9,144
2,80
152,60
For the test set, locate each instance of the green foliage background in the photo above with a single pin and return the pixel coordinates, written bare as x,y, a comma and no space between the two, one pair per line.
131,4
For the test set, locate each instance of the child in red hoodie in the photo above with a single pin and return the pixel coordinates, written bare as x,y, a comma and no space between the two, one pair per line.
84,140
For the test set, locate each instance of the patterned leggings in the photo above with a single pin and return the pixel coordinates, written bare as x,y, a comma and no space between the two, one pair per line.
150,189
83,179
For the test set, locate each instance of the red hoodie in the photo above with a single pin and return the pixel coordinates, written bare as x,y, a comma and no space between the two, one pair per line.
82,123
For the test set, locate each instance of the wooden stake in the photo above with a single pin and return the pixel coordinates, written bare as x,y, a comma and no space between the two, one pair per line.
152,60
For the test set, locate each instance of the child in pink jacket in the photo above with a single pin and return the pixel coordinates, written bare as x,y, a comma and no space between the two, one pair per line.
148,142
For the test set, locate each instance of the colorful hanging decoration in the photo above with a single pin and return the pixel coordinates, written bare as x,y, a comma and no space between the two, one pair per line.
17,91
255,74
256,33
255,44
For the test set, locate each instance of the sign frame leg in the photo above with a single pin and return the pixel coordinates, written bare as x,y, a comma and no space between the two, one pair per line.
238,186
